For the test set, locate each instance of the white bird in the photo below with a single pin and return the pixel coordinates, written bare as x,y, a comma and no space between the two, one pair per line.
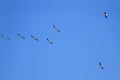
106,14
49,41
34,38
101,66
21,36
5,37
56,28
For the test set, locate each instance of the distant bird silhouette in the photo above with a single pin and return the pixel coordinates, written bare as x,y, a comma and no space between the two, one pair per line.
106,14
5,37
101,66
56,28
34,38
49,41
21,36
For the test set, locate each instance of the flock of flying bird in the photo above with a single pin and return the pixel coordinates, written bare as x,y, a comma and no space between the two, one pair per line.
33,37
48,40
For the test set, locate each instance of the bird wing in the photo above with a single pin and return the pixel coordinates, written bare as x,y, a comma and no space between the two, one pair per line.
32,36
36,39
18,34
100,63
54,26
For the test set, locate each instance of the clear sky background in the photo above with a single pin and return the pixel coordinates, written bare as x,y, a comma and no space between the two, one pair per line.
86,38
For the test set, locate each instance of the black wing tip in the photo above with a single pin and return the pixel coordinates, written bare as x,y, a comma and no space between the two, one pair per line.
47,39
31,36
51,42
105,16
18,34
8,38
54,26
58,30
24,38
2,35
99,63
102,68
37,39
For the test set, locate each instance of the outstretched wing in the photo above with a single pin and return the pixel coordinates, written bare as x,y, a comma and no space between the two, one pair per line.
37,39
58,30
7,38
51,42
18,34
3,36
32,36
23,37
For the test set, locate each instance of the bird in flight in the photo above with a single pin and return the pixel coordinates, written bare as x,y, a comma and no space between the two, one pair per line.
21,36
34,38
101,66
49,41
56,28
5,37
106,14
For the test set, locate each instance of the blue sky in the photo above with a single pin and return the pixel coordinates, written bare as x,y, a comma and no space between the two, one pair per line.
86,38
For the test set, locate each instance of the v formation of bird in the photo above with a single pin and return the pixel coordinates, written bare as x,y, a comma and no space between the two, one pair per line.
32,36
